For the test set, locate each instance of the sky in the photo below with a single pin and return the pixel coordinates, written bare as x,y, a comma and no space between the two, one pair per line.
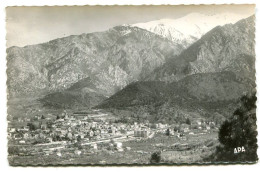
33,25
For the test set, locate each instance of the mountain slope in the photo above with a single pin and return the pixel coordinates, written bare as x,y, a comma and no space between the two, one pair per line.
200,88
208,77
111,59
227,48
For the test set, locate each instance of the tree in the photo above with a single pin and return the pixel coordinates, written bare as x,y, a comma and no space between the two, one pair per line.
239,131
176,128
155,157
31,126
78,139
188,121
12,150
168,133
49,124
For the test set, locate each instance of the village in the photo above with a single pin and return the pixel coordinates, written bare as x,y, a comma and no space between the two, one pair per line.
89,132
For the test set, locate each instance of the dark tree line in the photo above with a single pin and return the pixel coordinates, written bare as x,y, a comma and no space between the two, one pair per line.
239,131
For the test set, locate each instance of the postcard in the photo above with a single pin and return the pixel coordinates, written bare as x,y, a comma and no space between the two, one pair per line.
131,85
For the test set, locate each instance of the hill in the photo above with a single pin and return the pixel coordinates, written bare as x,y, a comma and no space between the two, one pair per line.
201,88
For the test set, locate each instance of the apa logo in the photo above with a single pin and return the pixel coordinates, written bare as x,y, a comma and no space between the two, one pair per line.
239,150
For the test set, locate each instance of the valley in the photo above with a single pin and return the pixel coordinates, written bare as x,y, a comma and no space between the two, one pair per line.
87,137
131,94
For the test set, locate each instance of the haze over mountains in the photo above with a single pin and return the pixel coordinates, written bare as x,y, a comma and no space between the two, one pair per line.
85,70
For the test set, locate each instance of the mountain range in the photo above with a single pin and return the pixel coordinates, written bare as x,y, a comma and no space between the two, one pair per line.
111,59
189,28
226,48
219,67
140,64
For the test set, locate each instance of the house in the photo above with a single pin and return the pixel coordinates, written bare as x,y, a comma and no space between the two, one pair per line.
77,152
26,128
123,131
154,126
36,136
20,120
120,149
41,135
130,132
82,136
102,131
141,133
94,146
12,130
17,136
49,140
69,135
96,133
59,154
178,134
91,133
112,130
27,119
63,132
26,135
186,129
43,126
22,142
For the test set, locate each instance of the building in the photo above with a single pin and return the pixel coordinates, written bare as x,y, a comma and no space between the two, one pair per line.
77,152
43,126
94,146
141,133
26,135
118,145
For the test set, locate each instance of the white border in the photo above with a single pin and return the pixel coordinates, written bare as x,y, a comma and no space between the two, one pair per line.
3,125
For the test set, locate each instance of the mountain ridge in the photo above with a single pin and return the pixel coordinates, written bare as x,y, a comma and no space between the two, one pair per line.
110,60
84,70
189,28
216,51
226,52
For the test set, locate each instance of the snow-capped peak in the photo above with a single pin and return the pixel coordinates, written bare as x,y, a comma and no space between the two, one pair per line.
189,28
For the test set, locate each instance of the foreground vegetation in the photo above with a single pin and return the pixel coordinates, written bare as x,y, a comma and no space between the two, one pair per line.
237,135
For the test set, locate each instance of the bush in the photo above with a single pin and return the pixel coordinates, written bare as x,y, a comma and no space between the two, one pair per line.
156,157
168,133
13,150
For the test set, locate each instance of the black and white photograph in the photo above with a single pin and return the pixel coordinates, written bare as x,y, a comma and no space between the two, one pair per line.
131,85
